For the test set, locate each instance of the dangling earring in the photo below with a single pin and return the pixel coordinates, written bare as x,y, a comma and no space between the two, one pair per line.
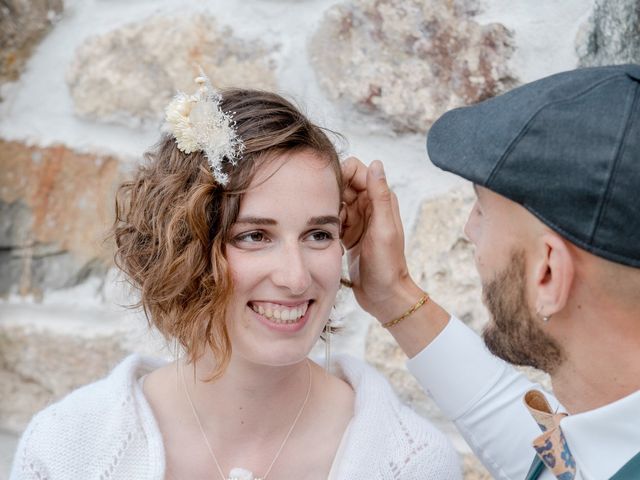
176,352
176,358
327,346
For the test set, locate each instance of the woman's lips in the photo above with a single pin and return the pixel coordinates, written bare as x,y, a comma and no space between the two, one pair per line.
281,317
280,313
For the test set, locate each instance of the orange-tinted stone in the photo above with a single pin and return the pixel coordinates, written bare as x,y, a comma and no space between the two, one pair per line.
57,208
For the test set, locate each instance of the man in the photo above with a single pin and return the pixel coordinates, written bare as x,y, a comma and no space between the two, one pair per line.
556,229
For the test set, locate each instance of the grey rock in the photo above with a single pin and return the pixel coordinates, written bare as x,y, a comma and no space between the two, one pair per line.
8,444
41,268
36,267
407,62
23,23
15,221
56,207
129,75
611,35
46,352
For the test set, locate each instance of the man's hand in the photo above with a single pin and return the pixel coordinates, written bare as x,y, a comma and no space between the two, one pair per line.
374,238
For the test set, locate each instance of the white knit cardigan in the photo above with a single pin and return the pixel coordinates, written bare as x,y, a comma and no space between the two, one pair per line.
106,430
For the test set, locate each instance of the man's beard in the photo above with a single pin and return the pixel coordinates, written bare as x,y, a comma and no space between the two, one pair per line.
514,334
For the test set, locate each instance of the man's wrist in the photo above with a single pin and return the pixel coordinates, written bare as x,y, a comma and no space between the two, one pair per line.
418,330
403,296
392,323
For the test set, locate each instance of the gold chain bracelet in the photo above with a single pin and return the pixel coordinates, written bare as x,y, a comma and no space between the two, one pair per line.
395,321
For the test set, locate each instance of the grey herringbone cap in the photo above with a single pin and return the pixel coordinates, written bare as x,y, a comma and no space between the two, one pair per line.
566,147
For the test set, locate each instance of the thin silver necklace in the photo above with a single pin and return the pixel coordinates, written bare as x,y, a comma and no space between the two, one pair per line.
242,473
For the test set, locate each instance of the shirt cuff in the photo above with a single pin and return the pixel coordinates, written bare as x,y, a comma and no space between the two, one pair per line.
456,369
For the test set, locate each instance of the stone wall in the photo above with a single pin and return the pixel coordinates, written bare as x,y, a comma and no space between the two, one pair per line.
23,23
611,34
82,89
54,217
408,62
108,82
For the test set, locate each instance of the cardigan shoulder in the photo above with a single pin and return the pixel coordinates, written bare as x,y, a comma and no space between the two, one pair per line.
430,454
90,430
387,439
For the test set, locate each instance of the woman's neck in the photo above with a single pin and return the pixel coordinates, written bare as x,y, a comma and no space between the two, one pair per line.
246,416
249,402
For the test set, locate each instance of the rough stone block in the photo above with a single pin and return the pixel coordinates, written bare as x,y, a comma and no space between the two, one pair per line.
408,62
47,351
473,469
56,206
130,74
41,361
22,24
611,35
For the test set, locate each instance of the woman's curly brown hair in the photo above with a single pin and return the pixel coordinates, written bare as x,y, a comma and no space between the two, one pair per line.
173,220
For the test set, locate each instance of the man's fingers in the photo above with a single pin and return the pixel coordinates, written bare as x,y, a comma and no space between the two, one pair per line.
396,215
379,193
354,175
369,204
355,198
377,186
354,221
349,196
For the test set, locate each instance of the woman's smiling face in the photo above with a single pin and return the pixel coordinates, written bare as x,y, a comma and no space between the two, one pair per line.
284,254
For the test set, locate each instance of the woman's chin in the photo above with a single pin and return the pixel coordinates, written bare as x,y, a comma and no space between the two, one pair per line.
273,354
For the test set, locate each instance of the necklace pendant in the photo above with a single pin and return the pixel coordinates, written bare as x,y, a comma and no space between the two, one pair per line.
242,474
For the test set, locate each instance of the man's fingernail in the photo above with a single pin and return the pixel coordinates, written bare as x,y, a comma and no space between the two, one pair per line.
377,169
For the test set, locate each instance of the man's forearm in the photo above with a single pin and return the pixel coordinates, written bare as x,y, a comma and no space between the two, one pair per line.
420,328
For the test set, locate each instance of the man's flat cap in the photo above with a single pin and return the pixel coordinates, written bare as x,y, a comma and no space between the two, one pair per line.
566,147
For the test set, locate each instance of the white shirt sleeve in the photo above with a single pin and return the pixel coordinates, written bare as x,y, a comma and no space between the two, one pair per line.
483,396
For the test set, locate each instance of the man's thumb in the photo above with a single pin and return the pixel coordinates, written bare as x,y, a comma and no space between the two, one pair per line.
379,194
377,187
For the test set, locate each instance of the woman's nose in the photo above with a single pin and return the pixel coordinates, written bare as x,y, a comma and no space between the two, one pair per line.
291,270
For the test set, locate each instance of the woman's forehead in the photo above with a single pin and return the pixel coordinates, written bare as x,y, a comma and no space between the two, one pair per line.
292,182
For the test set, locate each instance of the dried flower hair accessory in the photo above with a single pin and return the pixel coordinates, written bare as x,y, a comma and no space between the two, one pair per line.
198,124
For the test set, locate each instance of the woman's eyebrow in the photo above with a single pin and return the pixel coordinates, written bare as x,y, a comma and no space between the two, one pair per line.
321,220
256,221
324,220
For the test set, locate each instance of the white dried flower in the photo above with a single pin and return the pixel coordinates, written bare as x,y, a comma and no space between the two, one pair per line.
198,123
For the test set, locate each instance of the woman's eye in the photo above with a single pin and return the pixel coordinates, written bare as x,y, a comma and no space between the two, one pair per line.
250,237
321,236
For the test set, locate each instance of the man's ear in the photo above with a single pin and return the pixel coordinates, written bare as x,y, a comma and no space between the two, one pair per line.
554,273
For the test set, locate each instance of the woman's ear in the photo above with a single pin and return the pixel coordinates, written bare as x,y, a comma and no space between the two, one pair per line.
554,273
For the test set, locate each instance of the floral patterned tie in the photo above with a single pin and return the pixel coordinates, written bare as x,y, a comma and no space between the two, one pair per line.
551,446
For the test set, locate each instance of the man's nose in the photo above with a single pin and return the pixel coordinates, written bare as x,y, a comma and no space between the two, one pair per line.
468,226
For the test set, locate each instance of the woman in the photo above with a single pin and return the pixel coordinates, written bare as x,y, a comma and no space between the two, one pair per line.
231,233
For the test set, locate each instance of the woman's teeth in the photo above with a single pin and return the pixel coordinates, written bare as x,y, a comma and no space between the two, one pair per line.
279,313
